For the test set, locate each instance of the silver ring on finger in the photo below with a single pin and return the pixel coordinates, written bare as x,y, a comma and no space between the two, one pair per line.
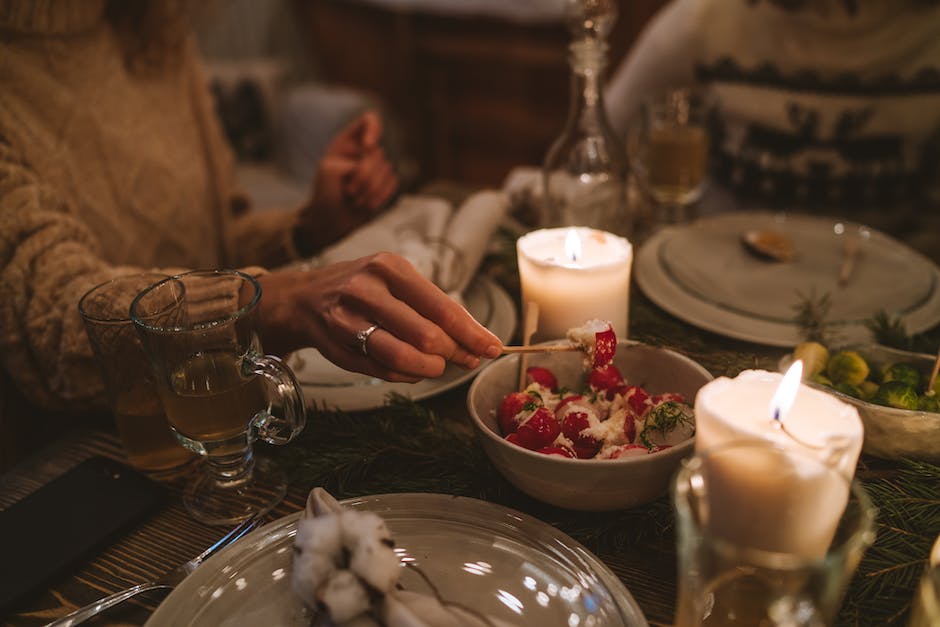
363,338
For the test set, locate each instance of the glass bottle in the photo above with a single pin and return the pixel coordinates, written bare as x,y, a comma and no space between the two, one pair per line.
585,172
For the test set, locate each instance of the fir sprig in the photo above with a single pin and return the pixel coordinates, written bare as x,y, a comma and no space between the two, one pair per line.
812,315
366,448
889,331
908,503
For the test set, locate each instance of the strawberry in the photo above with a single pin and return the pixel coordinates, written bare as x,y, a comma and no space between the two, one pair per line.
509,408
542,376
628,450
607,379
513,438
585,446
605,346
564,403
629,427
561,451
539,430
637,398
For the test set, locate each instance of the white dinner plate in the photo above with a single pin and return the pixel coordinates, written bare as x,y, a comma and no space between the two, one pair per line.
702,274
505,564
324,383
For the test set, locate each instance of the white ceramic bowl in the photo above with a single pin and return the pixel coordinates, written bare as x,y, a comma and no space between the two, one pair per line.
891,433
585,484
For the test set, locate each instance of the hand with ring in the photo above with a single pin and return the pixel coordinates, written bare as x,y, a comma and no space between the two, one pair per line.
363,338
376,315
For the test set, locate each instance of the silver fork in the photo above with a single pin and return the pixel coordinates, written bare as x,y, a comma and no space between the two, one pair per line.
169,579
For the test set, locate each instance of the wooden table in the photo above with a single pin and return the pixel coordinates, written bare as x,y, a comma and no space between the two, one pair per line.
638,545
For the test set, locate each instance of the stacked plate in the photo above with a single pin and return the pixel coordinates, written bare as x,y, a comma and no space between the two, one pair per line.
703,274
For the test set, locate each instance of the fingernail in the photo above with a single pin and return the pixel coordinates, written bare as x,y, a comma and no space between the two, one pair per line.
471,362
493,351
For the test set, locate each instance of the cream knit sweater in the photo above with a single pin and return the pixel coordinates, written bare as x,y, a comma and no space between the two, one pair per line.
102,172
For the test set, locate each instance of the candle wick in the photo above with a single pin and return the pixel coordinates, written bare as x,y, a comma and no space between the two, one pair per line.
780,426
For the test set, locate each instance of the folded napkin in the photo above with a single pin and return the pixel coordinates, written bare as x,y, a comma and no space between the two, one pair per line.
344,563
445,245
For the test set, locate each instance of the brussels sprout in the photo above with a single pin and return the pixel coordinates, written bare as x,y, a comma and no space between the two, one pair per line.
847,367
821,379
896,394
868,390
908,373
929,403
814,356
848,389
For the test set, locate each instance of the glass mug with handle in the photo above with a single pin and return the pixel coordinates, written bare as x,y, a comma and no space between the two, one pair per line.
200,333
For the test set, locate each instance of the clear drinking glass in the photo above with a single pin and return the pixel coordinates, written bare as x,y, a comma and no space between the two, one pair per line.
668,148
149,443
200,333
781,568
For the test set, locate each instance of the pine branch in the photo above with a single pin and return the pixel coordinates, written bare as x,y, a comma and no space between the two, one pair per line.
891,331
908,522
812,315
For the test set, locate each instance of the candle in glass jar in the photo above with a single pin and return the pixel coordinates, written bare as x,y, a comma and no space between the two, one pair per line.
792,509
575,274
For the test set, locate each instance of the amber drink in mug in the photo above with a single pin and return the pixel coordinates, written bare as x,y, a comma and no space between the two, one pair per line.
220,391
149,444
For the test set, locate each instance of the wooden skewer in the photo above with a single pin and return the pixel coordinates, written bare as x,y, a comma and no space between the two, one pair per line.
849,253
529,324
546,348
933,375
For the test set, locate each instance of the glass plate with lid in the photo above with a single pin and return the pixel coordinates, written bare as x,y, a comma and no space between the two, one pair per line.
510,566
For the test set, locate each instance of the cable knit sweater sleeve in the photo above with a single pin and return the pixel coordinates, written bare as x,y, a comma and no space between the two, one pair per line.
103,172
48,259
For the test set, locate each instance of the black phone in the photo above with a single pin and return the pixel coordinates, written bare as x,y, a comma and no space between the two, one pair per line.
51,530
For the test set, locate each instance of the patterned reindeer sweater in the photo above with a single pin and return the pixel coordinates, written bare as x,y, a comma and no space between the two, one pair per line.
820,102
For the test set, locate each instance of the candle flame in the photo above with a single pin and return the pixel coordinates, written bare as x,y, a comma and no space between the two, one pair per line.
785,395
572,245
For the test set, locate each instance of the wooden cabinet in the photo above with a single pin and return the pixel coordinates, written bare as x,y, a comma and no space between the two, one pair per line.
474,96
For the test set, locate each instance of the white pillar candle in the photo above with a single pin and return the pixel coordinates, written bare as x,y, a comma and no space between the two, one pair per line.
755,501
575,274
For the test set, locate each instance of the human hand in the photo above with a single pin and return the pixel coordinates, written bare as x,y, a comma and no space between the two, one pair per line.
353,182
420,328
